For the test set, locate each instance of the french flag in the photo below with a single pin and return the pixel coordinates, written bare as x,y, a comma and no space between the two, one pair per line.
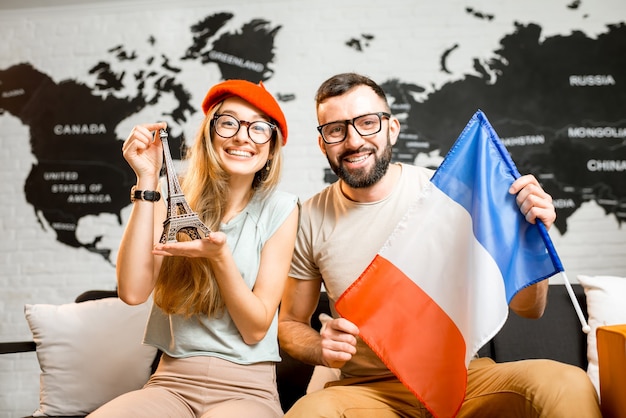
439,288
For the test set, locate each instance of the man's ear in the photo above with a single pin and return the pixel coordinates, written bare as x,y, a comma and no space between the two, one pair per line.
321,144
394,129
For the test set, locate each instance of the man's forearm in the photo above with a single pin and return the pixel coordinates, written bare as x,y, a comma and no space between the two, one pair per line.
531,301
301,342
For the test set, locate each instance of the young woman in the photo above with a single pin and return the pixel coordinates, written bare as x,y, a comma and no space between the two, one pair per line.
216,298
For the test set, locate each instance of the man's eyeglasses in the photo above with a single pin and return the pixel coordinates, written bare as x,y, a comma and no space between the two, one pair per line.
365,125
259,131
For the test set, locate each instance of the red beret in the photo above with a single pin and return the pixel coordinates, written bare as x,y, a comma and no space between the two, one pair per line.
255,94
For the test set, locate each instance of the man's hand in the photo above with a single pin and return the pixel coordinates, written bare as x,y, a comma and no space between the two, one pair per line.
338,342
533,201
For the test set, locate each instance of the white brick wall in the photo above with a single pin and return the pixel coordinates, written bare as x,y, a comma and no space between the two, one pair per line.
65,42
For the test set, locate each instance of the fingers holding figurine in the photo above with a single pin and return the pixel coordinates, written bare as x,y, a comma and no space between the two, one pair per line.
142,150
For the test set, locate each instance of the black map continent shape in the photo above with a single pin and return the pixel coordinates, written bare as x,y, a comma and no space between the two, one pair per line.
531,95
45,106
72,127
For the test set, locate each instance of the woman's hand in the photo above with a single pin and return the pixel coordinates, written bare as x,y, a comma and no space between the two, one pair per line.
143,150
213,247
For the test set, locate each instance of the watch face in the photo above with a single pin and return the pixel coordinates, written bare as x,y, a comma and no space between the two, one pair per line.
151,195
147,195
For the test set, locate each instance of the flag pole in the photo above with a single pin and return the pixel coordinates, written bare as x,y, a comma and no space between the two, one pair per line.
572,296
557,262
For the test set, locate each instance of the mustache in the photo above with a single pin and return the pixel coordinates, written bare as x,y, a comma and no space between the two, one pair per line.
363,149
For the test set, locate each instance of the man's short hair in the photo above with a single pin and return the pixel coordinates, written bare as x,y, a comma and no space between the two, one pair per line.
340,84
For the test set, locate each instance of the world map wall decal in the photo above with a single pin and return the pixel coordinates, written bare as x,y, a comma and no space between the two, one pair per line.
556,102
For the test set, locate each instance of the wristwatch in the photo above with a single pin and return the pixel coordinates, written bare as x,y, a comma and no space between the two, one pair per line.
148,195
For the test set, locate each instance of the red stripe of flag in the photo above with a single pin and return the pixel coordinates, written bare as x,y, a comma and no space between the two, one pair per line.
395,300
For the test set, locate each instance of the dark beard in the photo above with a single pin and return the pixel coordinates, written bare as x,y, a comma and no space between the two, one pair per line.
361,178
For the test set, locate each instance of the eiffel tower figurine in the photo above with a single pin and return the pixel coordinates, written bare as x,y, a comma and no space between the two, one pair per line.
180,217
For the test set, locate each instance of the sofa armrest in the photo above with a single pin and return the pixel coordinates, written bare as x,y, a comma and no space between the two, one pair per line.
17,347
611,342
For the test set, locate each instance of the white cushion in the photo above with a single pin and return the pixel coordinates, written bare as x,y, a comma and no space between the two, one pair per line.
89,353
606,305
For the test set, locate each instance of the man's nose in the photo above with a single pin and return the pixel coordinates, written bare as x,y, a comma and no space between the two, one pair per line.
354,140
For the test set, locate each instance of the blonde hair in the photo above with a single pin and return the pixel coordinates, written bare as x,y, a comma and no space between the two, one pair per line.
187,286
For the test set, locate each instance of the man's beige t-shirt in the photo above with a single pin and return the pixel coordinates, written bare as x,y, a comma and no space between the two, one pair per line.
338,238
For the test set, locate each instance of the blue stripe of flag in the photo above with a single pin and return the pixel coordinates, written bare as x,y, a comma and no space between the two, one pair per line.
477,173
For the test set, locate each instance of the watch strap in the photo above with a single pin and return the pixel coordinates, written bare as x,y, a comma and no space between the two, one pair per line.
147,195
